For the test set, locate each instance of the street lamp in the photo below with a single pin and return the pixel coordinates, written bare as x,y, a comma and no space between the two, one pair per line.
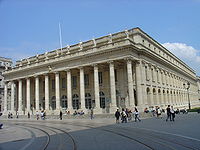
187,86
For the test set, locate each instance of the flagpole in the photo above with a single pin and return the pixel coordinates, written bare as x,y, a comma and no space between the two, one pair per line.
60,36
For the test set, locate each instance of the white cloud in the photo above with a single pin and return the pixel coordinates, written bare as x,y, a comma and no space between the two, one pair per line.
188,54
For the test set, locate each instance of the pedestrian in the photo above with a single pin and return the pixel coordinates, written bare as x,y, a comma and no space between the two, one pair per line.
168,113
91,114
9,115
136,113
123,116
28,115
1,126
60,115
172,113
117,115
37,115
17,114
158,112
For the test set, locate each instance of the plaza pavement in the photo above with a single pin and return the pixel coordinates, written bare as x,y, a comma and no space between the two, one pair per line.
102,134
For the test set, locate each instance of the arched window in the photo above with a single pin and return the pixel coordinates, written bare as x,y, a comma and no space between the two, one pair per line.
154,91
88,101
64,101
75,101
53,102
159,92
148,91
102,100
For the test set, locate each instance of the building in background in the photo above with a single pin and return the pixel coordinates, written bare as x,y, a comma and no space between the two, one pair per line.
198,83
120,70
5,64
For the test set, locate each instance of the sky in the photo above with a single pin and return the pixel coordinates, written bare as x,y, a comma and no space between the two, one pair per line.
30,27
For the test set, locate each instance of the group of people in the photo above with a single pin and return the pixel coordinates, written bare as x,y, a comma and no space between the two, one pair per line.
170,113
42,114
10,115
126,115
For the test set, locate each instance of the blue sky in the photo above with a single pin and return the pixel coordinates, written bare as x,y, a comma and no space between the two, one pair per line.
30,27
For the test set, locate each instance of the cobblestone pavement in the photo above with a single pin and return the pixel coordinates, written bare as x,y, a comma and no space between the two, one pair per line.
101,134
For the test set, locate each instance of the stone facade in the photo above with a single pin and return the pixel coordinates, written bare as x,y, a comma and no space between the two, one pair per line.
5,63
121,70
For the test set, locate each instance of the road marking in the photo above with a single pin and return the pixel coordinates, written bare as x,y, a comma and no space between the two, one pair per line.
187,137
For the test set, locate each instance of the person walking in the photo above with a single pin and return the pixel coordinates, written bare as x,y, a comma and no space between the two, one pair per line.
91,114
117,115
17,114
136,113
37,115
28,115
172,113
168,113
123,116
61,115
158,112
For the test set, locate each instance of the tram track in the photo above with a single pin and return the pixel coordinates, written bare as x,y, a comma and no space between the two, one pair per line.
46,133
149,140
163,141
49,137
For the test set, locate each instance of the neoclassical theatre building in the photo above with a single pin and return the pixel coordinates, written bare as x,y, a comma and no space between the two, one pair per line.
120,70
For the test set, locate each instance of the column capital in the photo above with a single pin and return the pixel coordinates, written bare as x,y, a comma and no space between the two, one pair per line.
46,74
95,65
80,67
56,72
67,70
128,59
110,62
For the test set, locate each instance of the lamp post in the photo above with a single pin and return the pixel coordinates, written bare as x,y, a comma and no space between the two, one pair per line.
187,86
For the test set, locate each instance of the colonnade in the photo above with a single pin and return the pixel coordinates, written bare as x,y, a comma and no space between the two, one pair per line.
153,86
112,87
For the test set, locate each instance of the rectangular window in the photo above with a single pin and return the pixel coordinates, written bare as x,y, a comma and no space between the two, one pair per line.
86,80
115,75
152,74
63,83
53,84
74,81
146,73
43,86
158,80
100,77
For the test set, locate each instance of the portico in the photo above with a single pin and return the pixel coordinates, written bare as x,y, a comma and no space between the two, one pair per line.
116,71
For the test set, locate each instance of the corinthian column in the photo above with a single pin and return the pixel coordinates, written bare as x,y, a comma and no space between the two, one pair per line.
96,89
37,97
130,84
138,85
46,80
82,88
12,96
69,90
28,96
57,91
112,87
20,96
5,97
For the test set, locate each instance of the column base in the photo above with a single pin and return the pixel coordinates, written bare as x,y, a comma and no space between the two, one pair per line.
131,107
113,109
5,112
97,110
21,112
